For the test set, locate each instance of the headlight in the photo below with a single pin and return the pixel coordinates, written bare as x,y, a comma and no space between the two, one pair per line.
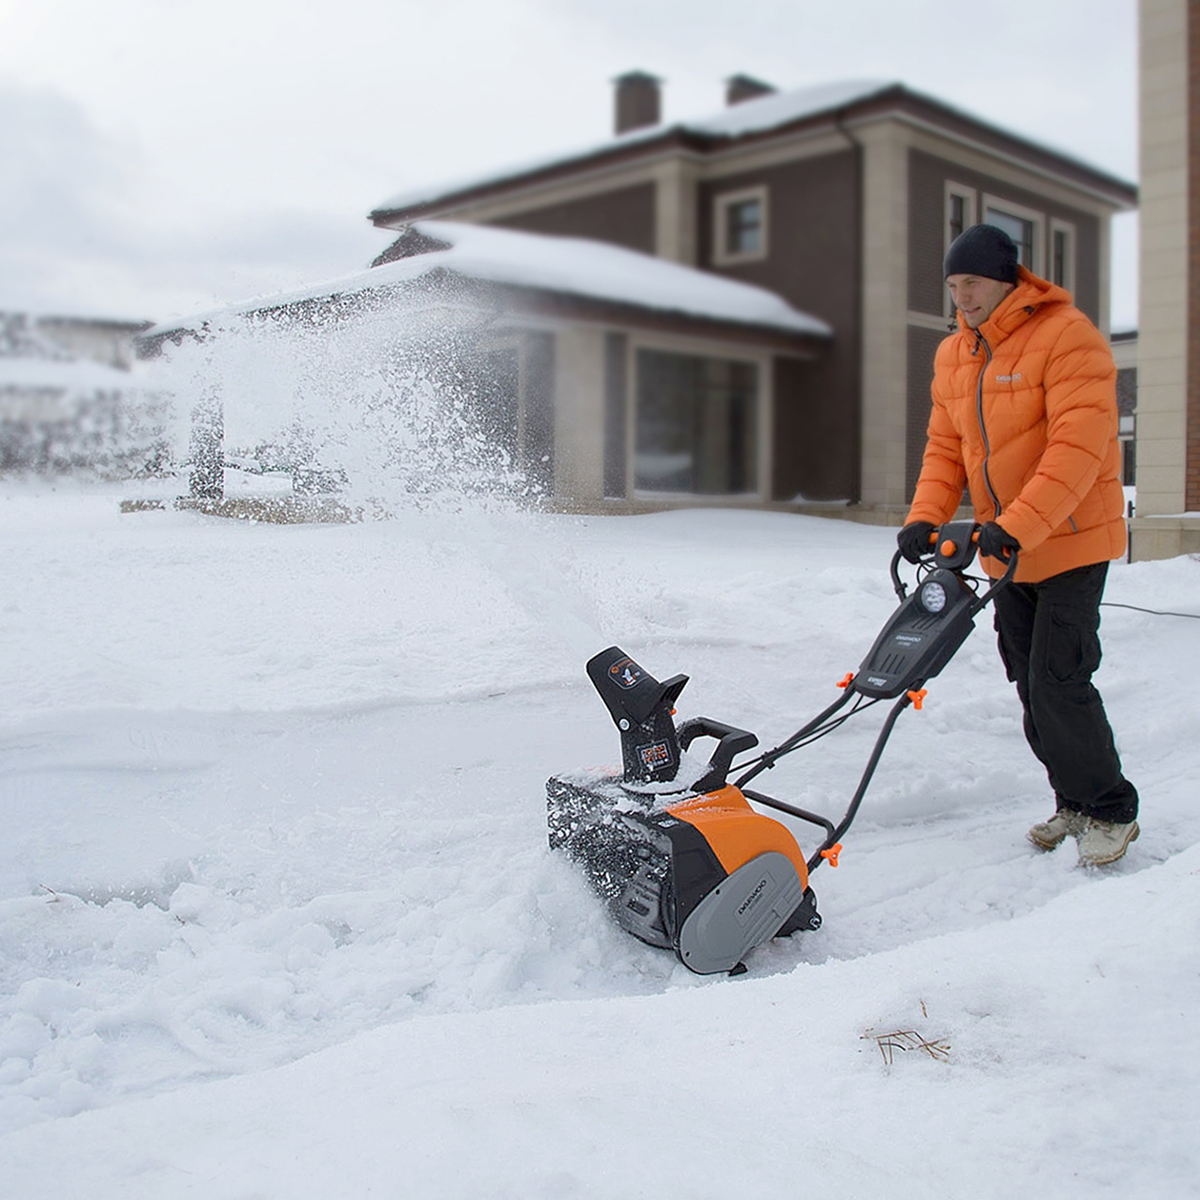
933,596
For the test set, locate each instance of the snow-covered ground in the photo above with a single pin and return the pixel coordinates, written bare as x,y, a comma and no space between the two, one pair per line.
278,919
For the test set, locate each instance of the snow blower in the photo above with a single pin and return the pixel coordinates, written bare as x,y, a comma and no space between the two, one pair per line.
680,855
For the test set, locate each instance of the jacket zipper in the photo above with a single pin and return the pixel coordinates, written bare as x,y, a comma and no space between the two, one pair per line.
987,446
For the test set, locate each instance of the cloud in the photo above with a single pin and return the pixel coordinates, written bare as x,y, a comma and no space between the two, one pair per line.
62,184
73,240
158,159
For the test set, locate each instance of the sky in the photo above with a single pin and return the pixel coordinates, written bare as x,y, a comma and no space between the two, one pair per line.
159,157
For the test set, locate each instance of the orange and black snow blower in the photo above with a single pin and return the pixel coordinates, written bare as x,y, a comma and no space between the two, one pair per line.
679,854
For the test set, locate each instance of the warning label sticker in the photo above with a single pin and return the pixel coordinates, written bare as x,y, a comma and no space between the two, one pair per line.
626,673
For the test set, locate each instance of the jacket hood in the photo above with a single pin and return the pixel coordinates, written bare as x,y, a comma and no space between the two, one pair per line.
1030,294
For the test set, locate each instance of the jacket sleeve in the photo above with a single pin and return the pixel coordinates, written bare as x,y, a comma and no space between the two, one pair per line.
1079,382
943,477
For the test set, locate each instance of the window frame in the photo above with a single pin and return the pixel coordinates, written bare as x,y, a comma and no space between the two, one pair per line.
969,196
763,407
723,254
1037,222
1066,229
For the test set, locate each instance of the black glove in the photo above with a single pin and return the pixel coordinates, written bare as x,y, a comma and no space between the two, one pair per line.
996,542
913,540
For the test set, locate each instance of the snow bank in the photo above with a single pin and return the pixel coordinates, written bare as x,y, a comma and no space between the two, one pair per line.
277,914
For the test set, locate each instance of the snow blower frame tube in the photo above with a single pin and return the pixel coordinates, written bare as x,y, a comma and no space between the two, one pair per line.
681,857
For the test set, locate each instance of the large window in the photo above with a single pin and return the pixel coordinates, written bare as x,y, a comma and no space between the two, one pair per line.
1023,225
696,424
740,233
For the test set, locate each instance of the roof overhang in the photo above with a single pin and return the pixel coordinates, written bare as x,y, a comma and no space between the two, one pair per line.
707,140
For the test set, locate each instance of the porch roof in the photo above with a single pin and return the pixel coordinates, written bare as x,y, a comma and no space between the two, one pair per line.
571,267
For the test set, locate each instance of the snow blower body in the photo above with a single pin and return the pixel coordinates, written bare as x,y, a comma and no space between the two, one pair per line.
682,857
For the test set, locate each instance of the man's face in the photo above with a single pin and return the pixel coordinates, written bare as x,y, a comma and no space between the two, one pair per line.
976,297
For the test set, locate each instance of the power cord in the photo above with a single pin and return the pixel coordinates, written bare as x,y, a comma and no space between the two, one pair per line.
1154,612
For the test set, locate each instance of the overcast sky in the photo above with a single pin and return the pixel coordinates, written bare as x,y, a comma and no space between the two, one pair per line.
162,156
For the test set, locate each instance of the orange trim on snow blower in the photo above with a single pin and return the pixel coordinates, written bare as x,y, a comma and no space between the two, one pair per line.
918,699
845,683
831,855
735,831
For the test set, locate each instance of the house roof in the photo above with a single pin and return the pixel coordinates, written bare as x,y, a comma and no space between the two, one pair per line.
573,267
70,375
761,117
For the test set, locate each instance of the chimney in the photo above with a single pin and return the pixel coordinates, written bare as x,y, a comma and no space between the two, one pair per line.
743,87
638,101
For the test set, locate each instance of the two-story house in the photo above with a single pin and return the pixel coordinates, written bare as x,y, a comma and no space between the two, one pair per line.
840,199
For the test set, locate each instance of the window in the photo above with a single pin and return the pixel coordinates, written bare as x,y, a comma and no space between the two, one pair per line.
1023,225
1017,228
740,233
960,215
1062,254
743,226
960,210
696,424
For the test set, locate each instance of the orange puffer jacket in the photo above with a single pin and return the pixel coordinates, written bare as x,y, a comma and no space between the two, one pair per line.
1025,415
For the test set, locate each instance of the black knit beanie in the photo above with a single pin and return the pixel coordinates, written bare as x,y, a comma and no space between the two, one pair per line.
982,250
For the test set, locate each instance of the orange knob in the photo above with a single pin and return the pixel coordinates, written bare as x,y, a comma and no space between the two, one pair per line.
831,855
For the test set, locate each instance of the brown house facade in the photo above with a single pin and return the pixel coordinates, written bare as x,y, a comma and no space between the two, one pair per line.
605,377
839,199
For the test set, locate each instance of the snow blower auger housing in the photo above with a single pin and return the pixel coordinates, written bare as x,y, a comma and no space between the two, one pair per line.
680,855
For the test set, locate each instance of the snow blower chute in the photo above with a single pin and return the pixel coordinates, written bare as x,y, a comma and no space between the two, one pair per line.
680,855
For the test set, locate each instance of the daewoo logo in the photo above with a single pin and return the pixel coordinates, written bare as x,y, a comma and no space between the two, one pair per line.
1008,378
753,898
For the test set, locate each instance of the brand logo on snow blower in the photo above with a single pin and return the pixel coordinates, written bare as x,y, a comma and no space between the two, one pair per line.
626,673
656,755
909,639
877,680
754,897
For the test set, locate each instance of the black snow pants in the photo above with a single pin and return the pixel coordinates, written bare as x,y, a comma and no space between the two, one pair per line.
1050,643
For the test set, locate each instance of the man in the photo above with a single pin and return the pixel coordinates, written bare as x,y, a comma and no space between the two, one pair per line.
1025,417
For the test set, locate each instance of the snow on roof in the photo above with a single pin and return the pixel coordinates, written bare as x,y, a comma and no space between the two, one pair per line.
569,266
750,116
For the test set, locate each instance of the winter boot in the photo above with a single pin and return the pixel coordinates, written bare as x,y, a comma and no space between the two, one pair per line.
1065,823
1103,842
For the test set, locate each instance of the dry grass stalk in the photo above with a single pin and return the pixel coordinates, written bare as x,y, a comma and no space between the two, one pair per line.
908,1039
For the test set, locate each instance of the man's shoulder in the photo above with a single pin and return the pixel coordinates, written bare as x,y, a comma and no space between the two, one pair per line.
1065,321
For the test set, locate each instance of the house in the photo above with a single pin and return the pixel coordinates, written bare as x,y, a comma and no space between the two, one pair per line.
67,398
839,199
1167,519
536,333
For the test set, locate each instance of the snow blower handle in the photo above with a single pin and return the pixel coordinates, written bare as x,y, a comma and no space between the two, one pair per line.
953,546
1000,581
731,742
